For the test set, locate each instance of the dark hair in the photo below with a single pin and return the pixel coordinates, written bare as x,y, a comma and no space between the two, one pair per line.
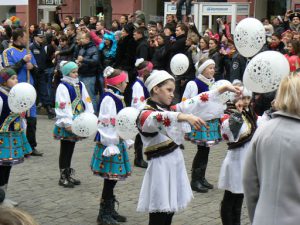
296,46
142,65
70,18
126,17
140,30
86,20
206,40
17,33
63,38
183,27
152,23
8,31
277,35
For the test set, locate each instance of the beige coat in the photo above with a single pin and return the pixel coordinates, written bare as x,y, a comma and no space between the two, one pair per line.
271,175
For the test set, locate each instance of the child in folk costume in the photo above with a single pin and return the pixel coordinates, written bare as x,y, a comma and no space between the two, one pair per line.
165,188
238,127
139,96
71,99
110,159
207,135
14,145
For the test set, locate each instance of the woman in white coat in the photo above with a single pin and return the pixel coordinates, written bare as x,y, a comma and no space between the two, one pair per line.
271,175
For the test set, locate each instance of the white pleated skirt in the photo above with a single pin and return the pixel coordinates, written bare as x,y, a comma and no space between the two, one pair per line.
231,174
166,187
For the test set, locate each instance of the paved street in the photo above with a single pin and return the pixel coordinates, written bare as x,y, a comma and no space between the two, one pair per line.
35,185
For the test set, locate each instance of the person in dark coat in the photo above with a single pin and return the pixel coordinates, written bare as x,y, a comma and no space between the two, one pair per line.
142,49
276,44
176,47
125,57
159,58
215,55
38,49
71,34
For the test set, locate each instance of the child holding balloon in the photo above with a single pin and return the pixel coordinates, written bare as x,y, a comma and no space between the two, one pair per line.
71,99
110,159
138,101
207,135
165,189
14,145
238,127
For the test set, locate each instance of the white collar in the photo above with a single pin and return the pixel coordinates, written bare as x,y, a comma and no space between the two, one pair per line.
70,80
206,80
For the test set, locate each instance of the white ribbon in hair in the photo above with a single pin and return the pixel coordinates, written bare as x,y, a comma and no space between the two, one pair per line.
157,77
204,65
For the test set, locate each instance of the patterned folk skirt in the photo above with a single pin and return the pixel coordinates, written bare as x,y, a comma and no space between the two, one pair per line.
206,136
116,167
14,147
60,133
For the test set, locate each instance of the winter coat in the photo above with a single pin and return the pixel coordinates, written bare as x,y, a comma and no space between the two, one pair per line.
215,55
142,49
90,64
271,175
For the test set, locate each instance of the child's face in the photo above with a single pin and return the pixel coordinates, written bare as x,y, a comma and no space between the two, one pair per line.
12,81
122,86
165,93
209,71
74,73
239,105
246,101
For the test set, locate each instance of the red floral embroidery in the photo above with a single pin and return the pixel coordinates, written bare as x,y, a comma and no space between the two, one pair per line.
167,122
135,100
23,114
113,121
225,137
225,117
173,108
142,99
159,118
62,105
204,97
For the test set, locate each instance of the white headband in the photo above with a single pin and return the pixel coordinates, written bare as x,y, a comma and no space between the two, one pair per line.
204,65
157,77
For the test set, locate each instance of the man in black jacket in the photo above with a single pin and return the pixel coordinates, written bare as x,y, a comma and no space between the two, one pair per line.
88,62
175,48
38,49
142,49
71,34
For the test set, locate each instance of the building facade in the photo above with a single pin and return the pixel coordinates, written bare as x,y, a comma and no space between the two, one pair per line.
43,10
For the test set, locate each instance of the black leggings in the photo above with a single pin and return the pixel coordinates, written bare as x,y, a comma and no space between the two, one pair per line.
108,189
66,153
160,218
231,208
201,157
4,174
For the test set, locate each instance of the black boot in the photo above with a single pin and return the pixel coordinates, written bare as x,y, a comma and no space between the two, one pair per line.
72,179
64,179
195,183
138,147
115,214
50,112
105,213
36,152
203,180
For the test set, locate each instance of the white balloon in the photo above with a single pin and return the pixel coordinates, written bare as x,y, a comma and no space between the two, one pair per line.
226,95
249,37
265,71
85,125
21,97
126,123
179,64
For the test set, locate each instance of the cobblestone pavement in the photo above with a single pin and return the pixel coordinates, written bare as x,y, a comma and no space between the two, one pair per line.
35,185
